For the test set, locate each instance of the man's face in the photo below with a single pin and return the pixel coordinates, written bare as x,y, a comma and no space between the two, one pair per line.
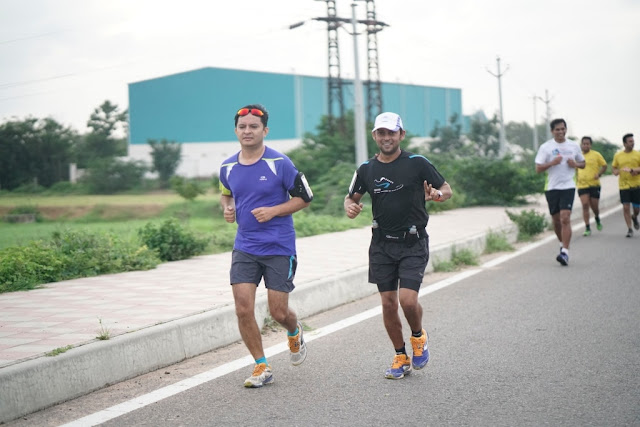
585,145
629,143
559,131
388,141
250,131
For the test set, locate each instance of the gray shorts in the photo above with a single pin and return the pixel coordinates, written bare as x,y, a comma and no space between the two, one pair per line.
393,264
278,271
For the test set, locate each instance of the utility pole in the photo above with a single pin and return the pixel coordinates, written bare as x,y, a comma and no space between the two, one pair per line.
358,108
547,101
535,125
374,87
334,80
503,142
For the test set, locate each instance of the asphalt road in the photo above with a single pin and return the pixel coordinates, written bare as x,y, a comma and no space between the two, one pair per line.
525,342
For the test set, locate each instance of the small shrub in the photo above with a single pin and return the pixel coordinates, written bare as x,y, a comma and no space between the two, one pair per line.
66,187
463,257
187,188
215,183
29,188
171,241
530,223
459,258
444,266
497,242
103,333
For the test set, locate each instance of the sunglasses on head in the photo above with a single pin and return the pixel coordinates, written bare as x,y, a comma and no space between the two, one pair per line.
246,111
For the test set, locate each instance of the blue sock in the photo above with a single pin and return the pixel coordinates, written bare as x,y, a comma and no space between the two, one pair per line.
261,360
292,334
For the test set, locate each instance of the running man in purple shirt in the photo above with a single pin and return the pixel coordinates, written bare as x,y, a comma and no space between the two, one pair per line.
261,189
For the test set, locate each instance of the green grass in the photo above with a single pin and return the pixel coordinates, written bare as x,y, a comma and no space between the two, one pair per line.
164,198
58,351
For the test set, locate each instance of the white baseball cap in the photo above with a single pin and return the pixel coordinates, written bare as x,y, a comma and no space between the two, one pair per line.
390,121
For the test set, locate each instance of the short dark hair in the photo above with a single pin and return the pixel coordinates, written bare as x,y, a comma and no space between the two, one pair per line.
264,119
587,137
627,135
555,122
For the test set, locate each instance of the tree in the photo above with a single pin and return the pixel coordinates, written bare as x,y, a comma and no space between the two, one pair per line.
448,138
110,175
522,134
484,135
321,151
102,141
166,158
37,150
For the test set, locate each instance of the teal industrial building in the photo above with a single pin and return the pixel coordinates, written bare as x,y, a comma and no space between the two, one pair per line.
196,109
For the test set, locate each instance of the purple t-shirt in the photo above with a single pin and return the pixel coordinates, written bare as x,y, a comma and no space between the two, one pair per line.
262,184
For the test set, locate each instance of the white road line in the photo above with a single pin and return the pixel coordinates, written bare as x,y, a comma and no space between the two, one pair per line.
184,385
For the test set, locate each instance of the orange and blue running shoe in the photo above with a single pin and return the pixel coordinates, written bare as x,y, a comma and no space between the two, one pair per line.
420,351
261,376
400,367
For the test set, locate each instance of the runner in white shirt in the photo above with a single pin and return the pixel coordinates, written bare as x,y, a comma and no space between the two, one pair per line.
559,157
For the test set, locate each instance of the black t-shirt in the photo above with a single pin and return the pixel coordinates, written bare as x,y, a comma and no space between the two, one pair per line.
397,189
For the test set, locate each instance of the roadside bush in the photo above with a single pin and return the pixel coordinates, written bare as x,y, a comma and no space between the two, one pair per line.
530,223
26,267
171,241
69,255
497,242
497,182
459,259
93,254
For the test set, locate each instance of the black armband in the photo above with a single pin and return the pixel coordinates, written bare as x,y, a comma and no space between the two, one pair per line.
301,188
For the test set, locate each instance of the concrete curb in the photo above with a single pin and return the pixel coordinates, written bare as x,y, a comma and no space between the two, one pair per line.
43,382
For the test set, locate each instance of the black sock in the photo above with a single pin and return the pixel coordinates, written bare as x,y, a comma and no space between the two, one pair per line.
597,218
401,350
588,227
416,334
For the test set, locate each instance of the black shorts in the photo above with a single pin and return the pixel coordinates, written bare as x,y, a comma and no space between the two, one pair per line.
393,263
630,195
593,192
560,200
278,271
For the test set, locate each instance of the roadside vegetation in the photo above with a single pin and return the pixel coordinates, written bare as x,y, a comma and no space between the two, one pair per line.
115,218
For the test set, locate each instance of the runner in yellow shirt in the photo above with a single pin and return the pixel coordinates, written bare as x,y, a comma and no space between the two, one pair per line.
589,183
626,165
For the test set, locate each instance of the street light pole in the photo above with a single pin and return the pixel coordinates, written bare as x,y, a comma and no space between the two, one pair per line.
535,124
547,101
503,142
358,107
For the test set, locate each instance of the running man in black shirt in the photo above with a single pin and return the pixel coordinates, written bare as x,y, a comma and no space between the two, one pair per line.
399,183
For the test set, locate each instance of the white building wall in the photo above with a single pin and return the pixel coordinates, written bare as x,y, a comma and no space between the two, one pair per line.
203,160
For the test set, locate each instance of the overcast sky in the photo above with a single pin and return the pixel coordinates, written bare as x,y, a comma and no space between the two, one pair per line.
63,58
